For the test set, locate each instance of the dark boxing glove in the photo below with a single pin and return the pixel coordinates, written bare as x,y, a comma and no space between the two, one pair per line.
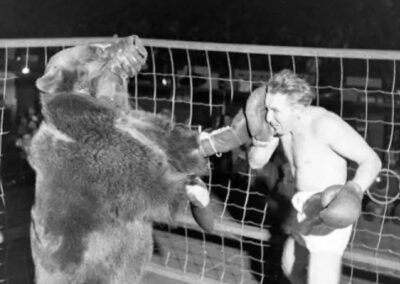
342,204
312,224
338,206
263,141
256,115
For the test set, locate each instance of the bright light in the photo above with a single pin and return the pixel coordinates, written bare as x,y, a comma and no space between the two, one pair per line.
25,70
164,82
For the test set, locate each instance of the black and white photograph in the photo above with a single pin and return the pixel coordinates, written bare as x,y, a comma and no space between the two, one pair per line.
190,142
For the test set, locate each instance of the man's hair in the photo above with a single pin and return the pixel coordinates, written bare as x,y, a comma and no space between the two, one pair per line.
288,83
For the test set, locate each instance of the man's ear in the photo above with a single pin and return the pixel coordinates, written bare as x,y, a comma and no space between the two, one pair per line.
299,110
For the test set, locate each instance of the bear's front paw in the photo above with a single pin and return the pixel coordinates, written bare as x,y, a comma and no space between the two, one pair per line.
199,197
197,192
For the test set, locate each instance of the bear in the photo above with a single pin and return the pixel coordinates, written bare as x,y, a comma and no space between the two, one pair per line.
104,172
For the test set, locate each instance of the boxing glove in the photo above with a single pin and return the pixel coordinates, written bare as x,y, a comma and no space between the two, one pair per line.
226,138
199,197
342,204
245,127
312,224
263,141
256,115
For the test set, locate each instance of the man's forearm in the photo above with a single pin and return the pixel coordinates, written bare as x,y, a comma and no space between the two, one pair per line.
367,172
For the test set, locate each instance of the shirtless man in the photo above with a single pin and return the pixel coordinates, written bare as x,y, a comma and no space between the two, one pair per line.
317,144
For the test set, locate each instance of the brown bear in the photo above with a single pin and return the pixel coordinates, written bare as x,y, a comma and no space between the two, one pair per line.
104,172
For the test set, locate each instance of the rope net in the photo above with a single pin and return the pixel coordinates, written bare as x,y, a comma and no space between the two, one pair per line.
204,85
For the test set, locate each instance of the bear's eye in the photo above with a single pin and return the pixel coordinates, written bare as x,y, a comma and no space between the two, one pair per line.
51,69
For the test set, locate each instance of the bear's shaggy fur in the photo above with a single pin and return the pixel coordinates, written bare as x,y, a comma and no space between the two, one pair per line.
101,183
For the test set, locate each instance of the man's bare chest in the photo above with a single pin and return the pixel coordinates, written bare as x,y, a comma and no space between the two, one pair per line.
302,150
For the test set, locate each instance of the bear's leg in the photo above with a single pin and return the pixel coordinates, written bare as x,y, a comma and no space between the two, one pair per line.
117,254
42,247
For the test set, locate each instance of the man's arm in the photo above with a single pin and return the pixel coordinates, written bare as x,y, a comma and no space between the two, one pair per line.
346,142
247,126
341,203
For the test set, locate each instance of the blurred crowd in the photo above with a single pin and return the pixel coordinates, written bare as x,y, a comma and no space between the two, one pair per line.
28,123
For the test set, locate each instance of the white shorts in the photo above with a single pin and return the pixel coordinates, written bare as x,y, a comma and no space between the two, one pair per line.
335,242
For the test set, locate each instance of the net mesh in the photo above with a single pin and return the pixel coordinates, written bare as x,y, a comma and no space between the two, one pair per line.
204,85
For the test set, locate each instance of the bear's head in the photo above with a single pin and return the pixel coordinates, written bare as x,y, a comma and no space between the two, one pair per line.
99,70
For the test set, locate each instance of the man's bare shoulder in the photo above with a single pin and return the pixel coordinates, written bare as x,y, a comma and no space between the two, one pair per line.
325,122
321,115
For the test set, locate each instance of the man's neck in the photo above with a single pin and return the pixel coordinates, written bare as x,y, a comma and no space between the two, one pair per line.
303,121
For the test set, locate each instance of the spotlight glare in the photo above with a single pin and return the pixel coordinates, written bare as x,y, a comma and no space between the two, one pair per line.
25,70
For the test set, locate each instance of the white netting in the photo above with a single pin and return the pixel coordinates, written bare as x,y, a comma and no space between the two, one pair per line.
204,85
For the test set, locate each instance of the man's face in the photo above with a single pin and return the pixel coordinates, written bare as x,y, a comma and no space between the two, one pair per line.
280,112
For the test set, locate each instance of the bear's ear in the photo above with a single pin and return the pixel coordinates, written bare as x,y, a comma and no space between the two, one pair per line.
50,81
67,70
57,80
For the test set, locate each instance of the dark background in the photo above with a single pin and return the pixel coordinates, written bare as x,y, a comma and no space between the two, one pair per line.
373,24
